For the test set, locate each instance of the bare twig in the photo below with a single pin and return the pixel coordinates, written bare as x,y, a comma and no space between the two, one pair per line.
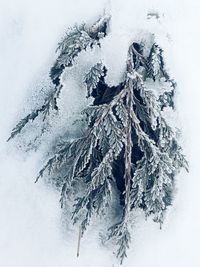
79,241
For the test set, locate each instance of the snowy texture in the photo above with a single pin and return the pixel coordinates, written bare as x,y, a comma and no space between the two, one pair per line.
127,143
29,231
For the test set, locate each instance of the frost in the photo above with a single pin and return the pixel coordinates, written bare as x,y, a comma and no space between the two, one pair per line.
127,145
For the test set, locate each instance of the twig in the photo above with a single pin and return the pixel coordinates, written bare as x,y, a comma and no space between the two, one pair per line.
79,241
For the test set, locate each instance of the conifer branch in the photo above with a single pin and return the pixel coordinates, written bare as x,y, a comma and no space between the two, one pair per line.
78,39
127,147
50,103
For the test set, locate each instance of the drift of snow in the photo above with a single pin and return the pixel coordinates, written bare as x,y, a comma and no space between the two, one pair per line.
31,232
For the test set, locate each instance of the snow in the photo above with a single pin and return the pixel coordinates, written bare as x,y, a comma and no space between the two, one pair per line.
31,229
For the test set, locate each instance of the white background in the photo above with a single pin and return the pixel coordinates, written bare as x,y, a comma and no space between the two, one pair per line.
31,233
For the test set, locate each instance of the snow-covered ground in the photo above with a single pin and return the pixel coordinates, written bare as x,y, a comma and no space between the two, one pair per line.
31,233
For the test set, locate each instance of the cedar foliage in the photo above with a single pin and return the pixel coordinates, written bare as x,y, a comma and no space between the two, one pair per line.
128,143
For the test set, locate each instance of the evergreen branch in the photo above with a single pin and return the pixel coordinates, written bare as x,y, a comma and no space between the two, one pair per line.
157,66
75,41
128,146
94,202
128,132
92,78
57,160
50,103
121,234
